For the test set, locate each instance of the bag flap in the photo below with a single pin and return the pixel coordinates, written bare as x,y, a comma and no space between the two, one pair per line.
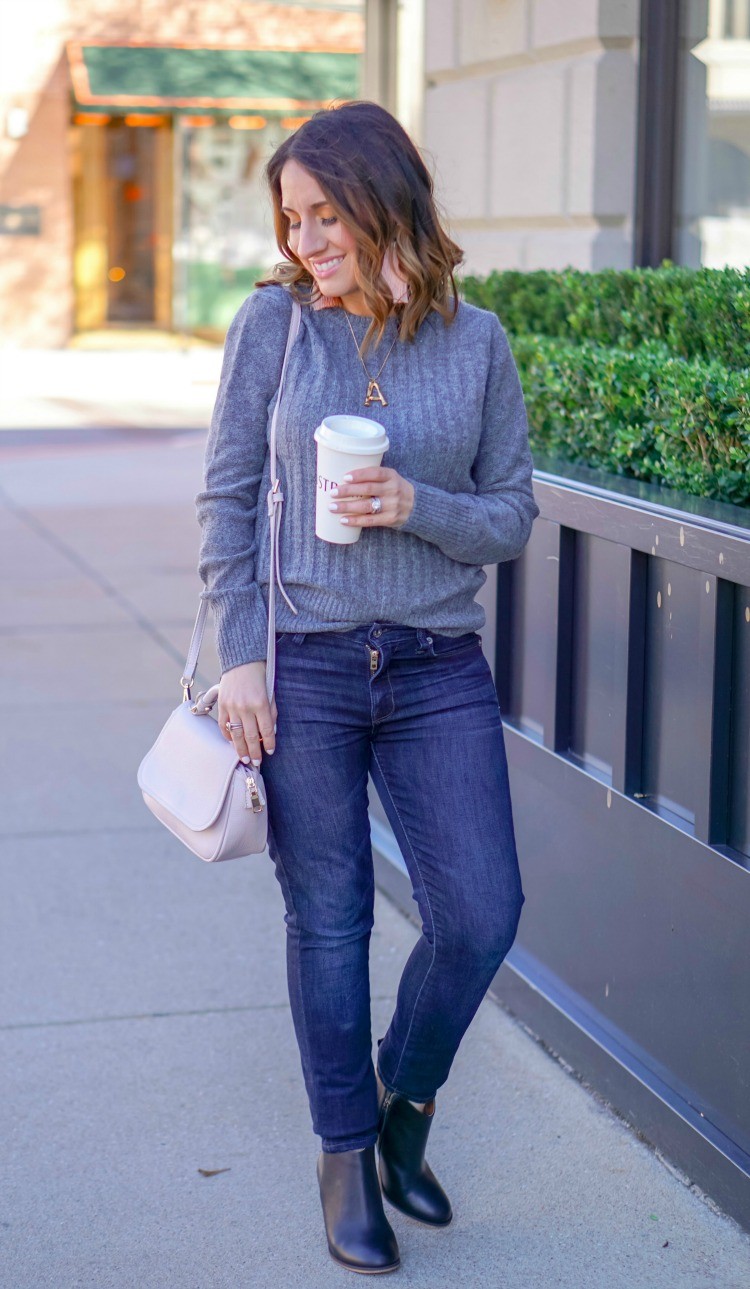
189,768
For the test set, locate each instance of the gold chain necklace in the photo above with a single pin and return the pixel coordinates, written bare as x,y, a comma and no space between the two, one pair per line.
374,393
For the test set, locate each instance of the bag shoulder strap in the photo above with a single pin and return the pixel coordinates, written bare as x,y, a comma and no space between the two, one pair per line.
275,499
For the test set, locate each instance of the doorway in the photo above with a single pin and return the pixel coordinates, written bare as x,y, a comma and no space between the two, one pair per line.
131,277
123,217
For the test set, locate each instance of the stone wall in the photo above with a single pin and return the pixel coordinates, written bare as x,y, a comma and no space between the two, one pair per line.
530,118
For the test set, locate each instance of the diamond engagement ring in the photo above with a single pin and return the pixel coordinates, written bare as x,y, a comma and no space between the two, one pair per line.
376,505
233,725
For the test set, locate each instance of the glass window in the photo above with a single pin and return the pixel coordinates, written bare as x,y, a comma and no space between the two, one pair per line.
224,239
712,200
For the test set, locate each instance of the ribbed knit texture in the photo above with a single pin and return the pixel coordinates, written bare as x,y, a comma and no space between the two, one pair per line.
457,428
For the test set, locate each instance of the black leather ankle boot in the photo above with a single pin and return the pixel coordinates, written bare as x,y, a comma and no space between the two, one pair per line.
358,1232
407,1179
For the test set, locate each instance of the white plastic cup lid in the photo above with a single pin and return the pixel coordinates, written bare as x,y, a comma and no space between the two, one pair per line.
353,434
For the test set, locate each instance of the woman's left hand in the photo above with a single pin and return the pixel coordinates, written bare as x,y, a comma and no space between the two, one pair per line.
396,496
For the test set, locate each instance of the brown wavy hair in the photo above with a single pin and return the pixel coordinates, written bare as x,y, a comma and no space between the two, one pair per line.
380,188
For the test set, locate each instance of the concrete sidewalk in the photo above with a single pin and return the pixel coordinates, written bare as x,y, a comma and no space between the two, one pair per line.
144,1023
121,389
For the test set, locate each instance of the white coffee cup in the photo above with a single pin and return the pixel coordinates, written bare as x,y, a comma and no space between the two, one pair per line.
345,443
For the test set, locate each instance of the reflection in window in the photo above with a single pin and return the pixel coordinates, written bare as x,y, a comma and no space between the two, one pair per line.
225,240
713,174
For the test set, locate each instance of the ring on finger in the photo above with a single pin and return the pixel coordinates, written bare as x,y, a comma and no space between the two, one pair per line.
233,725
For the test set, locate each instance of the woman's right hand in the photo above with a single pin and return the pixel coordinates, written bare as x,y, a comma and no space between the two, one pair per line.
243,697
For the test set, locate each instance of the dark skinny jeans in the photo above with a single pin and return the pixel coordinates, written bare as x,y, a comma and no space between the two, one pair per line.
425,724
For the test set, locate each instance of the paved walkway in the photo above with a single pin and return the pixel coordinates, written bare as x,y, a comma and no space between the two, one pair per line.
145,1031
128,390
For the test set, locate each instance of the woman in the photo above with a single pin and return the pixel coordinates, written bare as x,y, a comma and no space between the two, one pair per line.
380,669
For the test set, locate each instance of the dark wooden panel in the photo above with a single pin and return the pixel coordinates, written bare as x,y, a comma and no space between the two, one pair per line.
678,676
630,663
598,668
705,542
533,627
646,925
739,798
712,710
558,732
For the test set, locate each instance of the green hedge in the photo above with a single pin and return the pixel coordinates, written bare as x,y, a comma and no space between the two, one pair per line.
641,413
697,313
643,373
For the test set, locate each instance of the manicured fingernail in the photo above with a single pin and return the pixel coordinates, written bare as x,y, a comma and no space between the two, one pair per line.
245,760
332,505
256,763
347,478
274,729
334,492
344,520
270,751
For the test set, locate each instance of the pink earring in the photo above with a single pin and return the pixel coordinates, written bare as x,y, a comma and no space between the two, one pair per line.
397,284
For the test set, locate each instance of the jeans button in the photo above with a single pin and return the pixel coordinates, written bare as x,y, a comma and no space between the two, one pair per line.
378,632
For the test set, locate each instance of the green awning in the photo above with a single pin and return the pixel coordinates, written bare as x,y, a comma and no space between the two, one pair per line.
151,76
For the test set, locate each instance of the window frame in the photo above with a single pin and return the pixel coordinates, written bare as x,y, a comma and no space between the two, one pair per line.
657,132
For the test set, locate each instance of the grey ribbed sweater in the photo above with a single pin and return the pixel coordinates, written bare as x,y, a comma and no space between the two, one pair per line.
457,428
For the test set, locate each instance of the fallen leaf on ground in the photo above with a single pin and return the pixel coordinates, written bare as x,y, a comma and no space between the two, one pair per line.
213,1172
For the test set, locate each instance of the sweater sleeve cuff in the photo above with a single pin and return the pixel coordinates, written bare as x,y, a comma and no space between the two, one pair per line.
240,626
435,516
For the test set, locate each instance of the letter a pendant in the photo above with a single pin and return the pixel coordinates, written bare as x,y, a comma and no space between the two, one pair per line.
375,395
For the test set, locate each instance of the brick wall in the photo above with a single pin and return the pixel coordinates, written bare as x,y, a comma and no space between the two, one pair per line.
36,272
225,22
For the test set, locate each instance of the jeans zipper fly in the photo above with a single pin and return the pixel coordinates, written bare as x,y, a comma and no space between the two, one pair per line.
374,659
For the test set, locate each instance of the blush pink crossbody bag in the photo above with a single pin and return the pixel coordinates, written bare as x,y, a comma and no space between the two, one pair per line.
192,779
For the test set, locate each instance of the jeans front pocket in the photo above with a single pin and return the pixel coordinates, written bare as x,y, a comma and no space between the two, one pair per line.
296,637
447,646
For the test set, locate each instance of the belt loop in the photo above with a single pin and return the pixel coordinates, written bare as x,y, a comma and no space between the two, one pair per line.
425,641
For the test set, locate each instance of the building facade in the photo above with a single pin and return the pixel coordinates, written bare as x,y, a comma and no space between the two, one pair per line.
596,133
132,142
